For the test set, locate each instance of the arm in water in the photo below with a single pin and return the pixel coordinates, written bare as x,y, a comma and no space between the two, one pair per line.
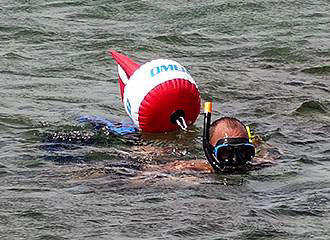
264,158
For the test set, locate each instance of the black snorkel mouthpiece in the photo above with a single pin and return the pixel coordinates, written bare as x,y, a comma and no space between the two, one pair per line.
208,148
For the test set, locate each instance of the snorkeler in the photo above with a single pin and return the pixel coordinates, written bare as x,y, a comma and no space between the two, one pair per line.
227,145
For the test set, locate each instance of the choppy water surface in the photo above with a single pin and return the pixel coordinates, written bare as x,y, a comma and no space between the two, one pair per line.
265,62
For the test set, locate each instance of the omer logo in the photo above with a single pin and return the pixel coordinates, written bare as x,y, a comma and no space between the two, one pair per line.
164,68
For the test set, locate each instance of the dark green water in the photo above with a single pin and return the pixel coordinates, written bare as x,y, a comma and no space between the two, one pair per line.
265,62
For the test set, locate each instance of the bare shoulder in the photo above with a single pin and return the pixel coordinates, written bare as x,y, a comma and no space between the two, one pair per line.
266,155
264,150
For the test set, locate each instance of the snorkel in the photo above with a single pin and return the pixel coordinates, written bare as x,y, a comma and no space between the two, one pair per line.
234,146
208,148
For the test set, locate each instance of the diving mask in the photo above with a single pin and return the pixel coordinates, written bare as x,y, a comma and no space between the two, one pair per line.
234,151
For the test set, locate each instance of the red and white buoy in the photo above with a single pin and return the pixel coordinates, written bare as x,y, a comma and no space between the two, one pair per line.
159,96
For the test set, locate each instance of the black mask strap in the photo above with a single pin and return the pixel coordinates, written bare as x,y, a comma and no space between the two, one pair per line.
232,141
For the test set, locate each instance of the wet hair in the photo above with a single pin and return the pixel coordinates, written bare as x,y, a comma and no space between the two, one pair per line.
231,122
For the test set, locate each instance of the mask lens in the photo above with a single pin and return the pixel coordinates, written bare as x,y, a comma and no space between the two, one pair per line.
244,153
225,153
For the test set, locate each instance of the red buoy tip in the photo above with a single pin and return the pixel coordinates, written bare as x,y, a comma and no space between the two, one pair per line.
127,64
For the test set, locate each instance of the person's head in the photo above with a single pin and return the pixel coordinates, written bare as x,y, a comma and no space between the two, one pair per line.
229,139
227,127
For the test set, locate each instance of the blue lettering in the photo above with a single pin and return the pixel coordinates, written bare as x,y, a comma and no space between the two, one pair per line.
164,68
153,73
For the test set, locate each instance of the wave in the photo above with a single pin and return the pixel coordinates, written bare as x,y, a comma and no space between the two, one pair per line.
312,107
321,70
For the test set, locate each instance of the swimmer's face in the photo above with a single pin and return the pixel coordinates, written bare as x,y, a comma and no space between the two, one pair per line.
229,138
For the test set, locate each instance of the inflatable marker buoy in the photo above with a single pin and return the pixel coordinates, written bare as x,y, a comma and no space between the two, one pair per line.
159,96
